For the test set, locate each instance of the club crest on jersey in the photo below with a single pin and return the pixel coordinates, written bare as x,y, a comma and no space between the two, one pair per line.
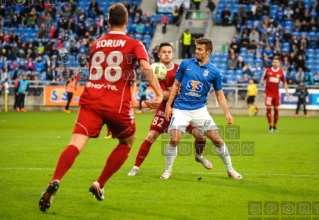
194,86
205,73
278,75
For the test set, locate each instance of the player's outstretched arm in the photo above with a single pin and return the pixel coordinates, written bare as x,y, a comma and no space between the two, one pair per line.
152,80
172,95
223,104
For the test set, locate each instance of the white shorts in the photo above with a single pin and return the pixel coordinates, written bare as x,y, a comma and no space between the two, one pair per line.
199,118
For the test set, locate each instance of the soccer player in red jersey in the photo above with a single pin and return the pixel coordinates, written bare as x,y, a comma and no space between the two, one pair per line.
159,125
106,99
273,76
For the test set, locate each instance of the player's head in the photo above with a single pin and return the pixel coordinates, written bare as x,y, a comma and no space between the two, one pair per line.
275,63
204,47
118,15
165,53
251,81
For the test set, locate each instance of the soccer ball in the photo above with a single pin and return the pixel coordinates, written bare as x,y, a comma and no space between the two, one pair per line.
160,70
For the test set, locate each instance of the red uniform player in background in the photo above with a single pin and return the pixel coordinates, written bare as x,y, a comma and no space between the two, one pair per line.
106,99
273,76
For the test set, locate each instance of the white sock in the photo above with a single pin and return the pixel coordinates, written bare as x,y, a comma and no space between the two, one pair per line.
224,155
171,153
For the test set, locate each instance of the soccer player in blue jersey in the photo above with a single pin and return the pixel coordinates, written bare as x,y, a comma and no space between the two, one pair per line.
193,82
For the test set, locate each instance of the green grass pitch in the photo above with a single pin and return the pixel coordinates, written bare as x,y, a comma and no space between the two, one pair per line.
282,167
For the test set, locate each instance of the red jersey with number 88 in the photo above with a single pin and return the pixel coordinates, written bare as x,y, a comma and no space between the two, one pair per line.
273,78
111,70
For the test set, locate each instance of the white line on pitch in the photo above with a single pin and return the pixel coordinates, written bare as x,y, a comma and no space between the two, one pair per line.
156,171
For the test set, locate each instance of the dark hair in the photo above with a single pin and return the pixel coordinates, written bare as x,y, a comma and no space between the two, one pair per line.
165,44
117,15
276,58
204,40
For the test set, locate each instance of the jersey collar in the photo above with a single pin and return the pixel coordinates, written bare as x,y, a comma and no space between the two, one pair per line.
116,32
205,65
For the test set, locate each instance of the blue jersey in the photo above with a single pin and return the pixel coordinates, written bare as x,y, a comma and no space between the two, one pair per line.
196,83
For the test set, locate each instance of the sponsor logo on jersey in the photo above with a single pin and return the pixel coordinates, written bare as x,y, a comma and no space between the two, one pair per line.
194,87
100,86
274,79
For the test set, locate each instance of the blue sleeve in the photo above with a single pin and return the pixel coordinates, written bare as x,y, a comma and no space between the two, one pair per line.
180,71
218,82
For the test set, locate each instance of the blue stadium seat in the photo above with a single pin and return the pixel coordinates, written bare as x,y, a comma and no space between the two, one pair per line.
239,72
231,72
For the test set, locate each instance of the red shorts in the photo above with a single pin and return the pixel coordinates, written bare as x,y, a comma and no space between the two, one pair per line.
160,124
90,122
272,101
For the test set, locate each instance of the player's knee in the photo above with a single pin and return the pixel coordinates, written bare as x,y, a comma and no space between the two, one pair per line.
174,141
217,142
151,137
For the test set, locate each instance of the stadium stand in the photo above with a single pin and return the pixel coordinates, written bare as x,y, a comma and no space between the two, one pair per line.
52,40
288,29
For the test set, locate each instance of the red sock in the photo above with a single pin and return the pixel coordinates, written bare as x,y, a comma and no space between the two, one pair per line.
276,116
143,152
65,162
199,146
114,163
269,116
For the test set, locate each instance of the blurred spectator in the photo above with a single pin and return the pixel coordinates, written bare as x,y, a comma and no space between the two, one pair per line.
251,46
286,36
175,14
197,4
254,35
139,28
248,70
225,16
300,62
244,41
300,76
240,63
285,64
164,23
313,43
232,62
211,6
93,9
288,12
155,53
180,13
234,45
308,80
258,54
